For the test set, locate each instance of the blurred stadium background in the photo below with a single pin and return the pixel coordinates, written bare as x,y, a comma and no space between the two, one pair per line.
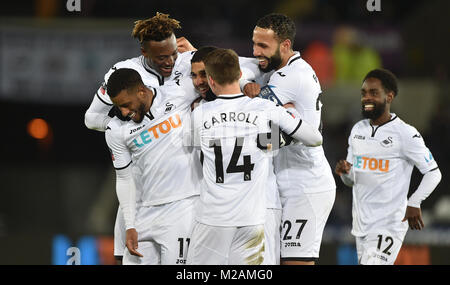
57,183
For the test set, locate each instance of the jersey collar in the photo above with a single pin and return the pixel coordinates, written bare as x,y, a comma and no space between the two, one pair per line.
375,128
295,57
153,71
230,96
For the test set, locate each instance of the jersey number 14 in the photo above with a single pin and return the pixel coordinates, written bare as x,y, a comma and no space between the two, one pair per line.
246,168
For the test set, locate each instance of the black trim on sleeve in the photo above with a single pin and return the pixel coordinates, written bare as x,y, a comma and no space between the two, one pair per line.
98,96
120,168
298,126
315,259
433,169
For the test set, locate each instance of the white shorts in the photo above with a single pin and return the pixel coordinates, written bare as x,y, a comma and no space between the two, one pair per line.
272,237
302,223
164,233
379,248
119,234
212,245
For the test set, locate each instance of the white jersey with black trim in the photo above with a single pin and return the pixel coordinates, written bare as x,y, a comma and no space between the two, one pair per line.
296,166
249,68
156,147
97,114
383,158
235,170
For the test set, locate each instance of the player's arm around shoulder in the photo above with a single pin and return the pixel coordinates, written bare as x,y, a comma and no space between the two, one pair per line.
293,125
96,116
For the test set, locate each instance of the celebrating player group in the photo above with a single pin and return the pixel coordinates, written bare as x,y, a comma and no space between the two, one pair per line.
219,158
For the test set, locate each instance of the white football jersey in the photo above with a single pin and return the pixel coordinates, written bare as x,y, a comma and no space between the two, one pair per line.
383,158
102,104
296,166
156,146
235,170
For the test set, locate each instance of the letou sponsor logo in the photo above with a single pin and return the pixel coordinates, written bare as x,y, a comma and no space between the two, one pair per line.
372,164
157,131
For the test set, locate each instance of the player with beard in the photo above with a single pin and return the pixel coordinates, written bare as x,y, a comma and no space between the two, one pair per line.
382,153
303,174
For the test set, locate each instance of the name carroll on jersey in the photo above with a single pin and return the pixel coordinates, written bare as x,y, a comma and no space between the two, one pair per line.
216,119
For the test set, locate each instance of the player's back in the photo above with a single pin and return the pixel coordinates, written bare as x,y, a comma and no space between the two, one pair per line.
235,170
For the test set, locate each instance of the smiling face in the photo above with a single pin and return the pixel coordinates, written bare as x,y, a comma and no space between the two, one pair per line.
161,55
266,49
133,103
375,101
198,75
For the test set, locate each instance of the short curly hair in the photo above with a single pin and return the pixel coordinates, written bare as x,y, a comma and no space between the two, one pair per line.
387,78
282,25
156,28
123,79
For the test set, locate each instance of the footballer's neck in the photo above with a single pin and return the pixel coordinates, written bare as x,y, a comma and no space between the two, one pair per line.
384,118
285,58
227,89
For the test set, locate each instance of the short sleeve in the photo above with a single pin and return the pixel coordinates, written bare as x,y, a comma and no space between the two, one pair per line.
349,148
416,151
120,154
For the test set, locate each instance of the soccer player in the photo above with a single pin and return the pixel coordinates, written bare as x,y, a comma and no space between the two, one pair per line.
382,153
160,63
273,204
198,74
231,211
304,177
157,232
